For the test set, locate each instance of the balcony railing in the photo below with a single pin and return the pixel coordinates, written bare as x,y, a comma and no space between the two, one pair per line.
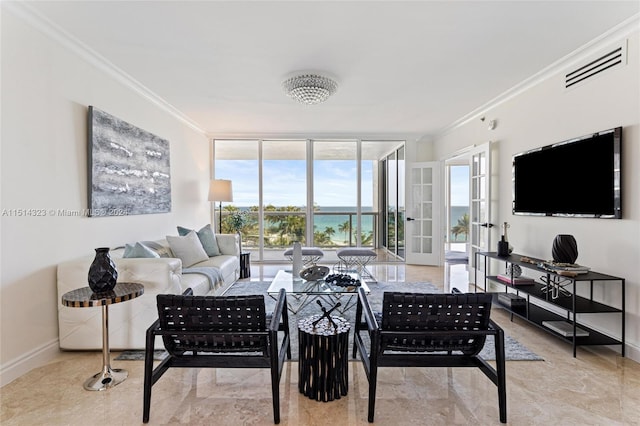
331,229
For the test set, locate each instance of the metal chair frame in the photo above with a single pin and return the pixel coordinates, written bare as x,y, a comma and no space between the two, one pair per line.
218,332
428,330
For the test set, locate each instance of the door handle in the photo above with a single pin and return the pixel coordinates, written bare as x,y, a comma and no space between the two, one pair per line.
487,225
409,219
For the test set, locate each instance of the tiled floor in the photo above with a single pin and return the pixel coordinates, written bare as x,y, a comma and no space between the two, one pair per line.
597,388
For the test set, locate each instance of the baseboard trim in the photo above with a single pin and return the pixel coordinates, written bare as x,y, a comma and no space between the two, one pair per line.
632,352
35,358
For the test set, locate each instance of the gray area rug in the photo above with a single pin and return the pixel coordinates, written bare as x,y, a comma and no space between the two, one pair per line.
138,355
514,350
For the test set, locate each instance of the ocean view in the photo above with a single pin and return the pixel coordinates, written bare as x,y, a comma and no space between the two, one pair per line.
335,217
336,222
328,217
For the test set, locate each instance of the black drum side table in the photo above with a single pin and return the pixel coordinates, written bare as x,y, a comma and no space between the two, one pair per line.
85,298
323,368
245,265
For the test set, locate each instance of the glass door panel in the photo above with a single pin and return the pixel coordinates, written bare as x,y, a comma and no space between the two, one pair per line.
422,220
480,205
392,202
401,204
372,198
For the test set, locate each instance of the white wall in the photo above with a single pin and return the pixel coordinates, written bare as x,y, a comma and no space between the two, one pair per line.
546,114
46,89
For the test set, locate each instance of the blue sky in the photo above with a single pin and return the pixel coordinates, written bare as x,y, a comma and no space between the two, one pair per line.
459,185
284,182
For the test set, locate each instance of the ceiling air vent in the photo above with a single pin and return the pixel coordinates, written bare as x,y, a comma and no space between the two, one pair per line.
603,62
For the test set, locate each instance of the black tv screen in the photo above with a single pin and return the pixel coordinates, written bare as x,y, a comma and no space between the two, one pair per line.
576,178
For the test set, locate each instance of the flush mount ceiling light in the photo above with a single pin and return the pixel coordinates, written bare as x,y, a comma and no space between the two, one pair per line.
309,89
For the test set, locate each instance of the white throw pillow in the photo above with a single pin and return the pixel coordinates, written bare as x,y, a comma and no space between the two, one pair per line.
207,238
188,248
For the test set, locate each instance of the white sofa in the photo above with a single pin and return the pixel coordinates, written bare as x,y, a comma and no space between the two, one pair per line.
81,328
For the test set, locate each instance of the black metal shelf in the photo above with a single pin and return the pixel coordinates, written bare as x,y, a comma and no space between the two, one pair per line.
583,305
571,303
535,315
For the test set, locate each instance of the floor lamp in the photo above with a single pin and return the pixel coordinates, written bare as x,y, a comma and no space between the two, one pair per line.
220,190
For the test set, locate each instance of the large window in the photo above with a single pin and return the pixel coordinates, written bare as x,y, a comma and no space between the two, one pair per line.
238,161
323,193
335,193
284,188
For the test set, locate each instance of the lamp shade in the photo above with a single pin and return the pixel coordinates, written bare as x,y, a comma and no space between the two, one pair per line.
220,190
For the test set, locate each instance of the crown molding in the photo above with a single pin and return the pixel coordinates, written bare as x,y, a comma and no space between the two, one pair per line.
34,18
364,136
620,31
55,32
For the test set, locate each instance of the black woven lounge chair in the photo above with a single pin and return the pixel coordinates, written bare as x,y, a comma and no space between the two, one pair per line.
428,330
218,332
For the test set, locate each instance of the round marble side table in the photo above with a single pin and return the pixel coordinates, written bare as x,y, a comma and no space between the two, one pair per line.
85,298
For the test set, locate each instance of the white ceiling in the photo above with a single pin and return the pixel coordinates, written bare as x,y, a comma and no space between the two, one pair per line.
403,68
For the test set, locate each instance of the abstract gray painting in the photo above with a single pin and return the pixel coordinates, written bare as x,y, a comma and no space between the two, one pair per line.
129,169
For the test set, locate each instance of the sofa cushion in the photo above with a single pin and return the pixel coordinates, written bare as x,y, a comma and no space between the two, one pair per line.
188,248
161,247
207,238
220,262
198,283
138,250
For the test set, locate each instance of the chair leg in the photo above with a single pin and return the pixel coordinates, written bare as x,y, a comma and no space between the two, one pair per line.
500,367
356,327
148,377
275,391
373,378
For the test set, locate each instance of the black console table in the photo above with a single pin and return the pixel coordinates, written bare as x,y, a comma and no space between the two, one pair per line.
565,293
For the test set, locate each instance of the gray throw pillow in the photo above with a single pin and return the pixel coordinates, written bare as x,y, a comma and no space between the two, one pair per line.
207,238
188,249
138,250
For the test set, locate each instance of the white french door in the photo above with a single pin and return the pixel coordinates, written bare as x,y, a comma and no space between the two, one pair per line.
423,241
480,222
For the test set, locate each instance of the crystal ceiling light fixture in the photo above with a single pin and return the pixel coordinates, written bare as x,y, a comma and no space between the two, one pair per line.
309,89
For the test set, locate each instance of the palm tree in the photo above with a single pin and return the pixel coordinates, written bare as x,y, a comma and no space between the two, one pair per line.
462,227
288,228
366,238
329,232
345,228
321,239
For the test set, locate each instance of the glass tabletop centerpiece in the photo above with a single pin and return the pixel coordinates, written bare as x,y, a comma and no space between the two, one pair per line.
304,292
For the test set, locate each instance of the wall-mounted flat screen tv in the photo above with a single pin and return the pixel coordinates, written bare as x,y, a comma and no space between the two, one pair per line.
579,177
